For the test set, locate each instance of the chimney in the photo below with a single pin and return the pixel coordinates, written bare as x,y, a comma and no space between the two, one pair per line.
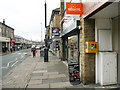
3,21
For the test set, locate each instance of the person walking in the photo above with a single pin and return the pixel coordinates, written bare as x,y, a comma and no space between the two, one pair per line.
34,52
11,49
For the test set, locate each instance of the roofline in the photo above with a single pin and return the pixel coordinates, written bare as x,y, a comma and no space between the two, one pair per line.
53,12
7,26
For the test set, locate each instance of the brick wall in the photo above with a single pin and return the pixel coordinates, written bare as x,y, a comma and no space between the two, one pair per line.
87,60
57,20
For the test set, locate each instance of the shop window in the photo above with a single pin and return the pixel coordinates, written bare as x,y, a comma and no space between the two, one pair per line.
73,50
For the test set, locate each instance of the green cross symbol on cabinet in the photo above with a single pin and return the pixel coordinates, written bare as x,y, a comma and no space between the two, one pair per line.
92,47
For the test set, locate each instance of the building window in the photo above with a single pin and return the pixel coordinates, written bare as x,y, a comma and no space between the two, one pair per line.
7,33
3,32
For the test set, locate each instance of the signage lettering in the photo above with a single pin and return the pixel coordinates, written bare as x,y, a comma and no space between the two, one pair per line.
74,8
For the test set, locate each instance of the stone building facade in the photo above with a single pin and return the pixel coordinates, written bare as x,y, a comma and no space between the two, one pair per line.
96,16
54,32
6,33
87,60
61,27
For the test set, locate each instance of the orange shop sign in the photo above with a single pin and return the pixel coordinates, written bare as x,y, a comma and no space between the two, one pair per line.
74,8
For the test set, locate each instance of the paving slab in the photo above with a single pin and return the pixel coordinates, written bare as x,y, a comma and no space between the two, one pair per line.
37,74
65,79
55,80
37,69
39,77
38,86
40,71
57,76
51,73
60,85
45,81
35,82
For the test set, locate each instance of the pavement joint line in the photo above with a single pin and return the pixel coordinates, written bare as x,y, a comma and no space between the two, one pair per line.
41,71
30,77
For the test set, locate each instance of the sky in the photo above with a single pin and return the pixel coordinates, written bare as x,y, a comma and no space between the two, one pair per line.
27,16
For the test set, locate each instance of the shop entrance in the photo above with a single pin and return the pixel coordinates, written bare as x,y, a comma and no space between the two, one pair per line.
71,53
73,48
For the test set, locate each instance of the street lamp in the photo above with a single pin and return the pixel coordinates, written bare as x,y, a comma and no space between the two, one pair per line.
46,48
45,14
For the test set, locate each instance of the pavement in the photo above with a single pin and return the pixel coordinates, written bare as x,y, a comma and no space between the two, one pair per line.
35,73
52,74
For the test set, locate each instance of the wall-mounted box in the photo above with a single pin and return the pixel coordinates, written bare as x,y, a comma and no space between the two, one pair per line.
107,68
91,47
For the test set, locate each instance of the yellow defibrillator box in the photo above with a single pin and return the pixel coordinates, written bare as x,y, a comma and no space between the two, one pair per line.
91,47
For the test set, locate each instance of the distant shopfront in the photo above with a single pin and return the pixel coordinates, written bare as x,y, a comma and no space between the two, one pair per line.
55,38
5,43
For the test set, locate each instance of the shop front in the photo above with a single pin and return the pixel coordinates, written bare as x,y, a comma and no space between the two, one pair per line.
102,19
70,40
12,44
5,44
55,39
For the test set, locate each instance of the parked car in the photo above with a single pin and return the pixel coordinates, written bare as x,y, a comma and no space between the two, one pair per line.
38,47
18,48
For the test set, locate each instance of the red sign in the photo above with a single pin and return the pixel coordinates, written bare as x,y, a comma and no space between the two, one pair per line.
74,8
12,40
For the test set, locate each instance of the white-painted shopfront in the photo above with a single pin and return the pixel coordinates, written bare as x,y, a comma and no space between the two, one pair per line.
107,34
5,42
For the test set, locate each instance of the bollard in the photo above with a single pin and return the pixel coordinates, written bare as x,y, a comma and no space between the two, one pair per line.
46,54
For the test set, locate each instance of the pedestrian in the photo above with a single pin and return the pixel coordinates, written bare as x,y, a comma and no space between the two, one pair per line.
14,48
34,52
6,49
3,48
11,49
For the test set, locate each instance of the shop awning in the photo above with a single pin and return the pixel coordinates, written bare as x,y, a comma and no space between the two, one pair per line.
4,39
71,32
71,26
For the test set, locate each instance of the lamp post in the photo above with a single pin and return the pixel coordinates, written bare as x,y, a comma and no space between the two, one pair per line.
45,14
46,48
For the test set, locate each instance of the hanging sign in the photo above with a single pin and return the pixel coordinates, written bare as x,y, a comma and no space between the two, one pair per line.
74,8
55,30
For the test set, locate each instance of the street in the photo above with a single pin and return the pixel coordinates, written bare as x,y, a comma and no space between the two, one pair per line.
35,73
12,60
60,44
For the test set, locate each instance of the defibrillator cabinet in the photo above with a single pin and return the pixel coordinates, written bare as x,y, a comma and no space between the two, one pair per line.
91,47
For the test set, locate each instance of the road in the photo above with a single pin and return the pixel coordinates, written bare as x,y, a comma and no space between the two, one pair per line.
12,60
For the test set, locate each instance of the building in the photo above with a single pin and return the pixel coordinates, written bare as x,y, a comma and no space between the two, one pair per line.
70,35
99,23
54,33
22,42
6,34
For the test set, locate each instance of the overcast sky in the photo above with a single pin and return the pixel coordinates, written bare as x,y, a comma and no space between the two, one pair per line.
25,16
